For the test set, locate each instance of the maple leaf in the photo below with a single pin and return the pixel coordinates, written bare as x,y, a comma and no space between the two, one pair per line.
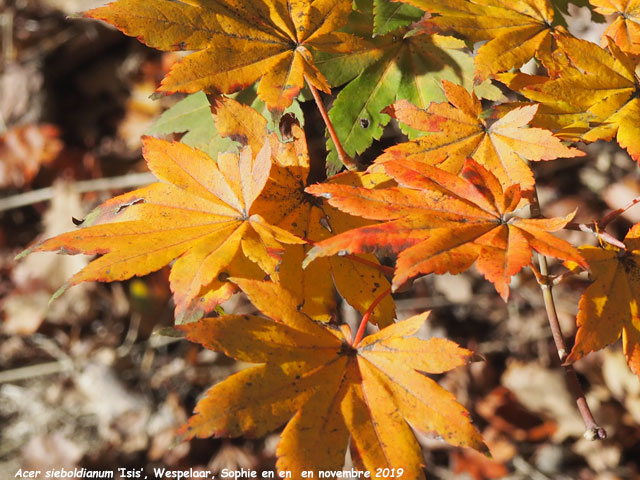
330,392
238,43
460,131
193,116
515,31
201,217
595,96
625,29
389,16
285,204
411,65
609,307
439,222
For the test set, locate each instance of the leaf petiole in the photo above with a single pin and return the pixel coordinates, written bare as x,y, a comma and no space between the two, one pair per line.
386,271
348,162
611,216
367,314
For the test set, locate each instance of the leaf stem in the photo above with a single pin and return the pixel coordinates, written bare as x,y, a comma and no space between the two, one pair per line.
594,431
611,216
386,271
596,229
365,318
344,158
598,226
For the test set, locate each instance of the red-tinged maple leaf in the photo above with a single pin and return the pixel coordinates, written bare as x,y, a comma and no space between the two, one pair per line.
594,97
459,131
330,392
238,43
285,204
625,29
609,307
516,31
200,215
439,222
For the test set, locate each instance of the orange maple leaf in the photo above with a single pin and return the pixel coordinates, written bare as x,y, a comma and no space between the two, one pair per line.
201,217
625,29
460,131
330,392
439,222
516,30
609,307
238,43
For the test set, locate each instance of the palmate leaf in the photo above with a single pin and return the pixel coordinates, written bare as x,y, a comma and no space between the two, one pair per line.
329,392
594,97
202,218
238,43
625,29
609,307
389,16
460,131
410,65
515,30
438,222
193,116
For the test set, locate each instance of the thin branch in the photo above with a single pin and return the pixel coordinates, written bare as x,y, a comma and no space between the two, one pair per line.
594,431
344,158
32,371
365,318
598,226
595,229
110,183
611,216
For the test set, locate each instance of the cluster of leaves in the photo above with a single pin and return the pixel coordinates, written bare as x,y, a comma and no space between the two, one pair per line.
233,208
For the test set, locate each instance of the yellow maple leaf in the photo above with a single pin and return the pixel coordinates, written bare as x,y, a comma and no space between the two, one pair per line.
200,215
594,97
459,131
609,308
238,43
515,30
330,392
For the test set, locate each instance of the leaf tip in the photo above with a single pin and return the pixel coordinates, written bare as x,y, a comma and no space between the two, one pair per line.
59,292
24,253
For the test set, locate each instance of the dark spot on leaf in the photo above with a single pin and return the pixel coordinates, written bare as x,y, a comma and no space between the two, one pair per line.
223,276
364,123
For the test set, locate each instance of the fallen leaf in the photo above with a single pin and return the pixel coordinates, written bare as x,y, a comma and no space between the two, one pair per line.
24,149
